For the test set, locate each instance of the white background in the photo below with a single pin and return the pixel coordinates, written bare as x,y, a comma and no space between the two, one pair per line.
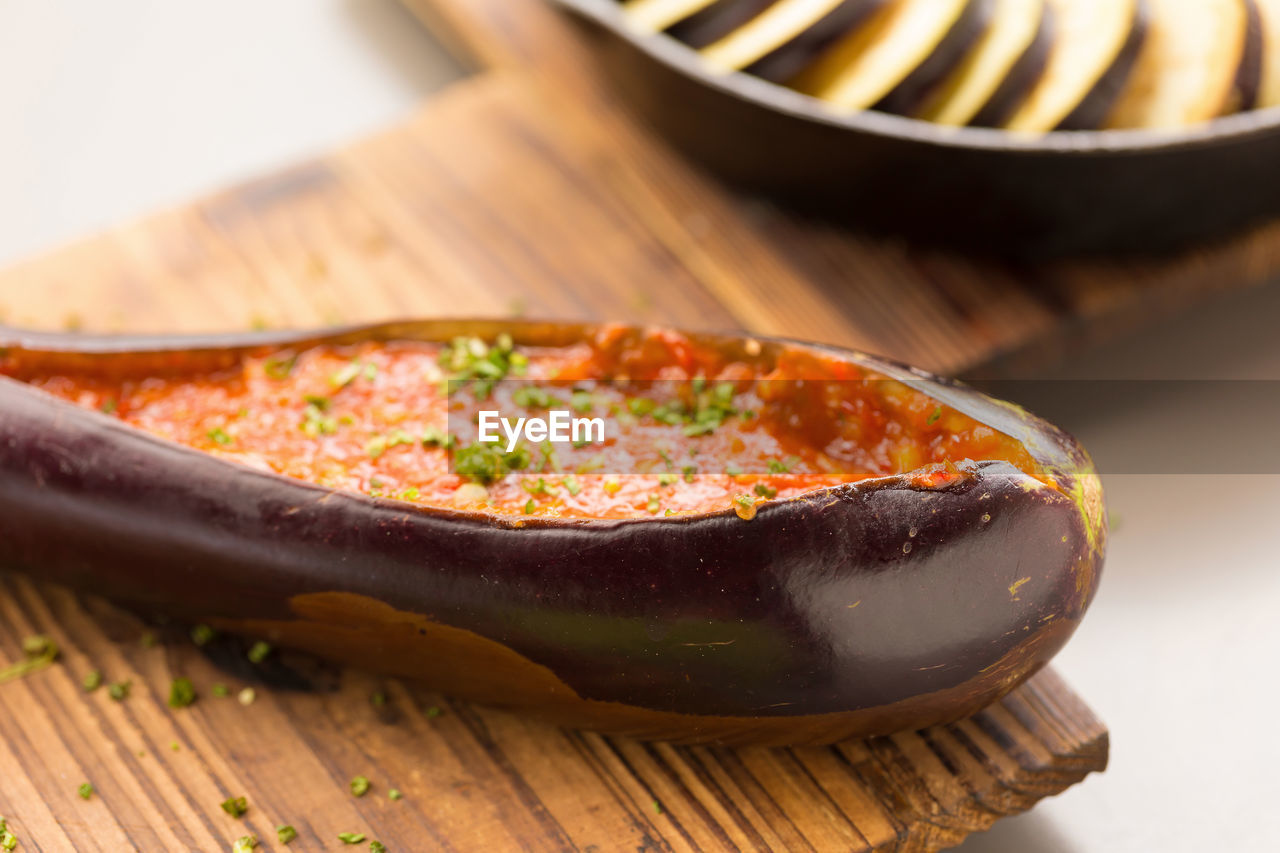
111,109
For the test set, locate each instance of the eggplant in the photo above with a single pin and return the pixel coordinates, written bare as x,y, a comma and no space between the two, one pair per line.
1096,44
1202,60
653,16
1269,24
896,59
1000,72
787,36
864,608
716,21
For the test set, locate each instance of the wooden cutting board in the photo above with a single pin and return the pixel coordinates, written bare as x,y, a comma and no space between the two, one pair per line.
524,189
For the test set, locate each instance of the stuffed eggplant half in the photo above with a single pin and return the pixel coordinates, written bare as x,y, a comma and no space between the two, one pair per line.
764,542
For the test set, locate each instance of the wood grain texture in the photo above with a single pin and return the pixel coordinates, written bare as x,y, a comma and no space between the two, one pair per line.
522,189
472,778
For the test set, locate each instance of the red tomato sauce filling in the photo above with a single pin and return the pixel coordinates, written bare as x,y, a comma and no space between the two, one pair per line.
690,428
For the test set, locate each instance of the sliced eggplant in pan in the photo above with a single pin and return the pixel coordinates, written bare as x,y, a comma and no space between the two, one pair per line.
1096,43
1193,67
655,16
1269,20
1252,63
717,20
787,36
794,56
1000,72
879,62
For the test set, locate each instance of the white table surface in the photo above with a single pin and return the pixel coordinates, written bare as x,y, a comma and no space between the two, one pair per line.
111,109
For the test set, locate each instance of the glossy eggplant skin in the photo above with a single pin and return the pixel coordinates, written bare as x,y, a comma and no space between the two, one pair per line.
982,191
863,609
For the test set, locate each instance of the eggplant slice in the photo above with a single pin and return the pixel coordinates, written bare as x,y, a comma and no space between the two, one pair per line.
877,62
999,73
1269,19
714,22
794,29
655,16
1096,43
1190,68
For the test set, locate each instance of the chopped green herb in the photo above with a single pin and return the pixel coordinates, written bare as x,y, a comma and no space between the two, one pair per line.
530,506
8,841
710,409
394,794
220,690
666,479
92,680
235,806
532,397
433,712
732,470
471,360
537,487
85,790
689,472
120,690
380,444
779,466
377,847
315,422
351,837
244,844
378,699
549,460
218,435
351,372
181,693
175,746
582,401
488,463
280,366
657,807
641,406
933,418
286,833
40,651
436,437
360,786
654,504
764,490
202,635
259,651
148,640
571,484
109,406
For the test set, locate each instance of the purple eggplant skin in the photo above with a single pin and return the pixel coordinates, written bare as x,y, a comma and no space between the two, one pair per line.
716,21
787,60
1248,86
1022,77
862,609
907,97
1091,112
